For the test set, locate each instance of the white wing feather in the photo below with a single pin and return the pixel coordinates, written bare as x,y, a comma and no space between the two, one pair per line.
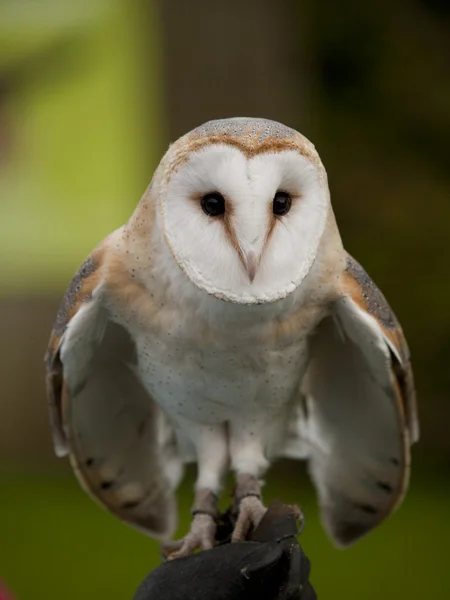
355,431
121,445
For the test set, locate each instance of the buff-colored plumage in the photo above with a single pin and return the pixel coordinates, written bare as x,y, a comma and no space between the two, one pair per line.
230,341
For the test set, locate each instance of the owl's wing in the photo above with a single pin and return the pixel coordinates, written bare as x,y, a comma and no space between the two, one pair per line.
361,411
120,444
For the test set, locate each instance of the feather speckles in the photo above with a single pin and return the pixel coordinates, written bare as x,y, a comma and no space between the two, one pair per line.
386,487
250,136
368,509
79,291
366,294
259,130
373,299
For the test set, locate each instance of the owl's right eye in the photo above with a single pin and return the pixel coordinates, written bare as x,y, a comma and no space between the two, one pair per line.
213,204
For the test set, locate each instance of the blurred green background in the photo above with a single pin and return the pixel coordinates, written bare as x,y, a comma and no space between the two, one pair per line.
91,93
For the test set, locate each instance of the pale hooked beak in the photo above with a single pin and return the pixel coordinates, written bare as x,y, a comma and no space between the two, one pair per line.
251,264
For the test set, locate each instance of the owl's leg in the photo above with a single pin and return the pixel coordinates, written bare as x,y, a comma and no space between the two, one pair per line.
249,463
202,533
248,506
212,460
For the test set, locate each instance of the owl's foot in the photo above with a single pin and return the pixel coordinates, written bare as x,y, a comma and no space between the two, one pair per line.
203,528
200,537
249,506
251,511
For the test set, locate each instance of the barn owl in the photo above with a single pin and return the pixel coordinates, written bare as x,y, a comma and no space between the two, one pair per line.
225,324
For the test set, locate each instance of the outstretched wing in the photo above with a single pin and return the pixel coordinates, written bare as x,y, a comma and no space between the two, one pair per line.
120,444
361,411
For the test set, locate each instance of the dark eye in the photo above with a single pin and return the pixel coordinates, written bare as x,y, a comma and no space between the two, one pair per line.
281,204
213,204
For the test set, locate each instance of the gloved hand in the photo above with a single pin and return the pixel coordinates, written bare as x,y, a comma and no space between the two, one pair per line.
271,565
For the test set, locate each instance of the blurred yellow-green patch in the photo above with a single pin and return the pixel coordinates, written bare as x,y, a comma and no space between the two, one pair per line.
76,159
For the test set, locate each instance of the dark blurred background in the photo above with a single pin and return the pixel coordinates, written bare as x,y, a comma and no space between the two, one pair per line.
91,93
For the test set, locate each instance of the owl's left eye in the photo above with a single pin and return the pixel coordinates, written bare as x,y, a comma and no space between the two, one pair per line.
213,204
281,204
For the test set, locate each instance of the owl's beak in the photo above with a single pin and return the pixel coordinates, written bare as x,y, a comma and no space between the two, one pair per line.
251,264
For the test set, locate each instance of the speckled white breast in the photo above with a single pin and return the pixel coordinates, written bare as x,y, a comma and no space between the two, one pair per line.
223,384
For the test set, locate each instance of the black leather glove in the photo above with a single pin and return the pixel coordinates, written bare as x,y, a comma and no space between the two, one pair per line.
271,565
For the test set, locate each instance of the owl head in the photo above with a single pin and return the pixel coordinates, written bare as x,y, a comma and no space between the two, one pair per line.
242,204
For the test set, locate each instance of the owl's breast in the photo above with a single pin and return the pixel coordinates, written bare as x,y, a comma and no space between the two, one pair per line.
215,385
234,361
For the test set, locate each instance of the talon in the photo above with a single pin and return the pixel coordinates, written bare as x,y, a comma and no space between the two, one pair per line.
200,537
251,511
299,516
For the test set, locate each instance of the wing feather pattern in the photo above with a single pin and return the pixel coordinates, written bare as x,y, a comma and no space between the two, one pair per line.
121,445
361,411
